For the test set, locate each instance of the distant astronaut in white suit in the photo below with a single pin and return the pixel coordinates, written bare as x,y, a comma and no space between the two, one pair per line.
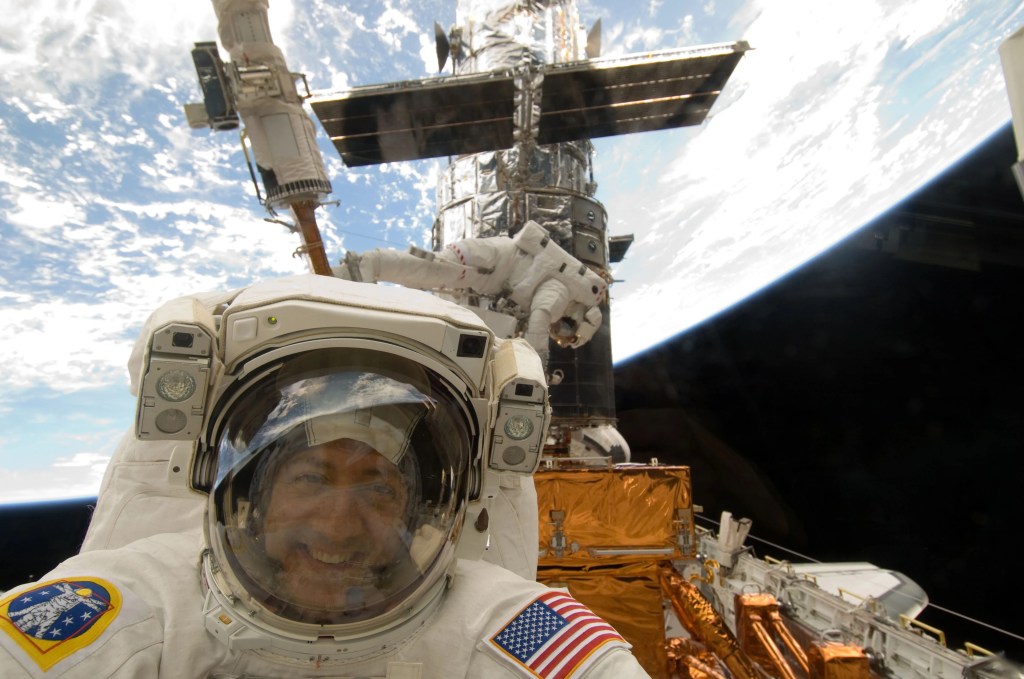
553,293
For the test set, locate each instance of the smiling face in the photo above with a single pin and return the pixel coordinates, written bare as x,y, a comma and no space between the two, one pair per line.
336,524
339,489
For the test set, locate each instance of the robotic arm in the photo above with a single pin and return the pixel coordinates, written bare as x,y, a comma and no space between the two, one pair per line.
257,87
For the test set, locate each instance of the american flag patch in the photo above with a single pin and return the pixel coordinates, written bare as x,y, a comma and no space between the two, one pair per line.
555,637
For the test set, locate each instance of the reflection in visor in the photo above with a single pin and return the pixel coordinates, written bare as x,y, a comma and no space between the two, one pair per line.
340,479
371,408
336,522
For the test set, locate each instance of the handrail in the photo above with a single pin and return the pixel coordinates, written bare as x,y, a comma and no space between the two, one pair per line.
906,621
870,602
974,648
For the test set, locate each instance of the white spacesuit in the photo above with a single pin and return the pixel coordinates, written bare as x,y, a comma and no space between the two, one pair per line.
556,294
349,441
137,499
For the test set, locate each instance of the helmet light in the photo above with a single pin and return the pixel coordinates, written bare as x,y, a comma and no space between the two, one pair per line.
518,427
176,386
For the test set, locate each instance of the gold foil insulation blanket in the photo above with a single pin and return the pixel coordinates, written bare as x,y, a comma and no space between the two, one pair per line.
705,625
761,630
622,509
628,597
764,636
604,534
836,661
689,660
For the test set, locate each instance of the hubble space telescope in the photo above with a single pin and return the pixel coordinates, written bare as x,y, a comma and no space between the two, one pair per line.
529,90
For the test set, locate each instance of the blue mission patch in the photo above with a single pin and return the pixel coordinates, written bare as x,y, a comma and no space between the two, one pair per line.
57,618
59,611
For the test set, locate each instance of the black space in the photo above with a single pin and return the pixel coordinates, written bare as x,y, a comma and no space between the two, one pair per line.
867,407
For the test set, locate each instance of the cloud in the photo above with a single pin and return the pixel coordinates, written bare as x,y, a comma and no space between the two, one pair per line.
66,346
61,453
76,476
801,150
913,21
63,48
37,213
134,269
84,461
393,25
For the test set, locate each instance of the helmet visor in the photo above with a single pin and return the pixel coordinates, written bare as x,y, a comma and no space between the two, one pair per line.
341,478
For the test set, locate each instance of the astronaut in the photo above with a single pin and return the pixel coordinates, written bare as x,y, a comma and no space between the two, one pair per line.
556,295
137,499
349,441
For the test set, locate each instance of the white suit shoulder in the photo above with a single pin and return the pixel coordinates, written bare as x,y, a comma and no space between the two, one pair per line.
112,613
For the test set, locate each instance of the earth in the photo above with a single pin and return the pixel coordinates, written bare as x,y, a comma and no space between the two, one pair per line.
110,204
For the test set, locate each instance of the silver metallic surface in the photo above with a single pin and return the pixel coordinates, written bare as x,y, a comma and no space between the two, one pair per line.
497,34
487,194
494,193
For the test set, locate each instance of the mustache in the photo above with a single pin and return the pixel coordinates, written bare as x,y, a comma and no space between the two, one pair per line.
362,550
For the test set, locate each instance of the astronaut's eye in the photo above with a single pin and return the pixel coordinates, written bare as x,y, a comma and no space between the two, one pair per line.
312,478
383,490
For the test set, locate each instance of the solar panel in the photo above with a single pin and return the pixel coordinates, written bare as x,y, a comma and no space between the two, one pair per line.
455,115
631,94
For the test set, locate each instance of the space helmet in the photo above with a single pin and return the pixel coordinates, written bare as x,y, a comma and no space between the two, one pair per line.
349,438
340,484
